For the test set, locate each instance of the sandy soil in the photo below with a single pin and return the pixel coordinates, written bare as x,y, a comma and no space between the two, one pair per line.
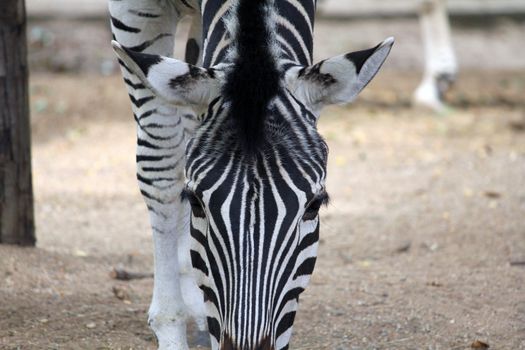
421,244
417,245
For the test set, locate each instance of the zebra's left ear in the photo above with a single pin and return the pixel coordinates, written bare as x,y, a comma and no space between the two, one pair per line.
337,80
172,80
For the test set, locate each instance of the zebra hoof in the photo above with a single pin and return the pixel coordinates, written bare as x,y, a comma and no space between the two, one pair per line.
199,338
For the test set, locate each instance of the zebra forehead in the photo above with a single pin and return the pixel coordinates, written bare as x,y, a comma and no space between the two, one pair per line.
253,173
292,150
287,132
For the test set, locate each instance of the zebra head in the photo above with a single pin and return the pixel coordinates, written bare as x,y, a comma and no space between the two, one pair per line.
255,176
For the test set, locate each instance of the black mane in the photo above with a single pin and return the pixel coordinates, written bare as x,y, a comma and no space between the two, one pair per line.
254,78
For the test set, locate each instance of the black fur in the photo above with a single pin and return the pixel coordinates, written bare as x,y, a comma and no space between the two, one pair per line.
254,79
314,74
360,57
122,26
193,74
143,60
192,51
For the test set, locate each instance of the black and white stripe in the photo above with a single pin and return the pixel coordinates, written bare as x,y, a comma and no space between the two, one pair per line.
251,166
255,172
148,26
255,223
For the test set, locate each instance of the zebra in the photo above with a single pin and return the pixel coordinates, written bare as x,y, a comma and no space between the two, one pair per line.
229,159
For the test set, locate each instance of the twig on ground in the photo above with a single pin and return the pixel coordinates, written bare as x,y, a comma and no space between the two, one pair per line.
123,275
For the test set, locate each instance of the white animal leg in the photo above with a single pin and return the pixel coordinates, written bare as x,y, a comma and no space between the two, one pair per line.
149,26
440,59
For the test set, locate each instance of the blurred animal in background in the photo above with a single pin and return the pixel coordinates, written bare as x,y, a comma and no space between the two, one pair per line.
440,60
440,64
229,159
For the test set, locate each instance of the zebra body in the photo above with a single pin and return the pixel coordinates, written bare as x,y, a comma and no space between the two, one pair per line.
237,137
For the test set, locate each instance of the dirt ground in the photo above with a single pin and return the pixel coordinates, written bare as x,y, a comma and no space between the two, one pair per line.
422,246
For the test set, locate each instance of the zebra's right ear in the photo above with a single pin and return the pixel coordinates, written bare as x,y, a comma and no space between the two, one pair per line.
172,80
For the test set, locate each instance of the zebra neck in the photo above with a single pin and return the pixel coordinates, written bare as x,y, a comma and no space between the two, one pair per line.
253,79
290,26
295,25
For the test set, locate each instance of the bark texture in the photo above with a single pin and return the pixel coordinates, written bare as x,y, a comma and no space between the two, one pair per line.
16,190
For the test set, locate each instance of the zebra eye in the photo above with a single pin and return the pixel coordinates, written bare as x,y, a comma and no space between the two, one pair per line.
197,209
312,210
196,205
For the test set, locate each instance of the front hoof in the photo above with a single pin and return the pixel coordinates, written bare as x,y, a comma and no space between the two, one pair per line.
169,334
198,338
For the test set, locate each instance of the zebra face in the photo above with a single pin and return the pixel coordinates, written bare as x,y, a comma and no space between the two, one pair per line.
255,221
255,179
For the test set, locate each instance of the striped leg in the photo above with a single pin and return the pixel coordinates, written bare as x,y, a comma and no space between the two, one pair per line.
149,26
440,60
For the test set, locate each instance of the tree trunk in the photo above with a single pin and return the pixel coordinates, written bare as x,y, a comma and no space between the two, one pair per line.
16,191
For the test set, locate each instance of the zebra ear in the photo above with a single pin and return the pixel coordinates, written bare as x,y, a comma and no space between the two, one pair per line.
172,80
337,80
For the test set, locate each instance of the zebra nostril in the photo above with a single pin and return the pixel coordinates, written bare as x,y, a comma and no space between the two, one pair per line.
264,344
227,343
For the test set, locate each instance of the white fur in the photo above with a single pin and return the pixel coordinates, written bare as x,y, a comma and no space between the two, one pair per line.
440,59
348,83
196,93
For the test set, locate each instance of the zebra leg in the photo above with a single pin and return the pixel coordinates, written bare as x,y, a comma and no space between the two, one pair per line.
194,43
149,26
440,60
